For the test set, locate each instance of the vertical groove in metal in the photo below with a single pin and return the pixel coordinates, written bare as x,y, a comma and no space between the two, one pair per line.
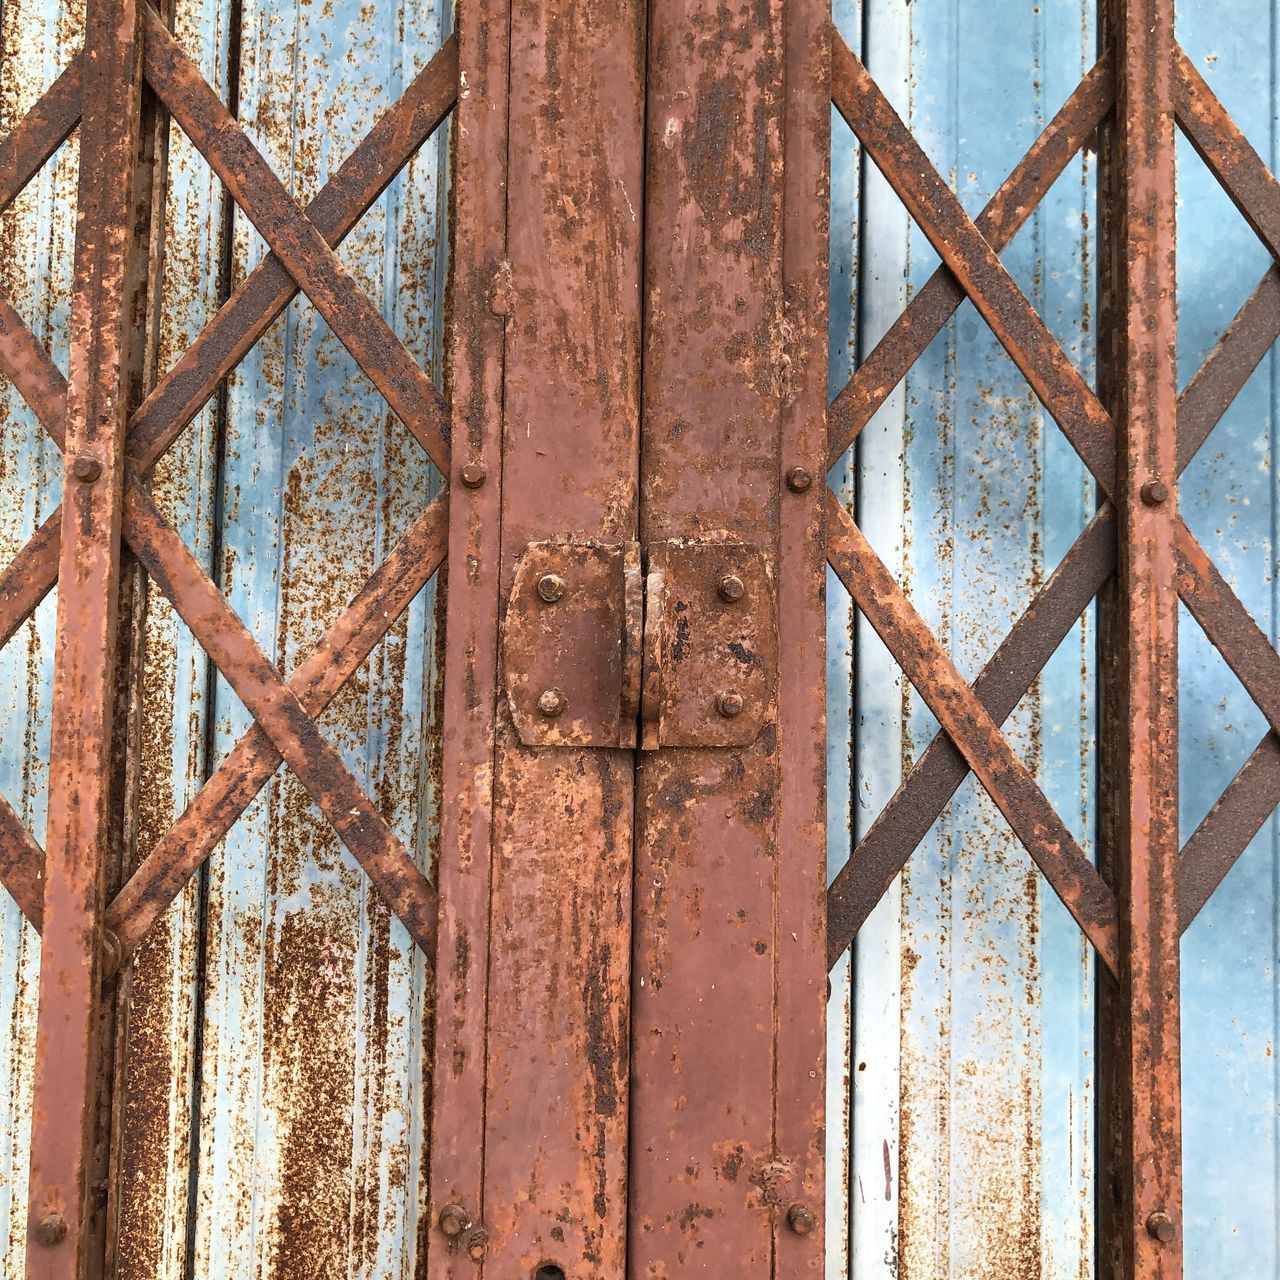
1141,1195
104,309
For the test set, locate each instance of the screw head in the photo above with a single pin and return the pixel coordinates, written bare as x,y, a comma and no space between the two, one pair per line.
550,587
801,1219
477,1243
729,703
1155,493
799,480
453,1220
86,468
1160,1227
730,588
473,475
51,1230
552,703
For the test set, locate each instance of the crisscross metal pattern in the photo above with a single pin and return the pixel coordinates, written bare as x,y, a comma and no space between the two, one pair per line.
302,260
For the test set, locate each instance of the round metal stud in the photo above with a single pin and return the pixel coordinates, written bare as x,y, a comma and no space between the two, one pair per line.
552,703
86,468
477,1243
550,587
51,1230
1155,493
801,1219
453,1220
1160,1227
730,588
473,475
729,703
799,480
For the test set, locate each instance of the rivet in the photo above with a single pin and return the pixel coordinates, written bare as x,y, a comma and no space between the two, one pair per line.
453,1220
51,1230
730,588
86,468
801,1219
550,587
1155,493
551,703
799,480
729,703
477,1243
1160,1227
473,475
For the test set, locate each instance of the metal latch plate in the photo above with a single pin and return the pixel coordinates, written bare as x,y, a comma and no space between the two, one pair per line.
710,644
571,644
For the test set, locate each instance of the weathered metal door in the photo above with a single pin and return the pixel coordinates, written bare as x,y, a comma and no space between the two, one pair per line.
610,991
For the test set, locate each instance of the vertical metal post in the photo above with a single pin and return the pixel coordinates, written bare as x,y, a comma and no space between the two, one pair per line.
1141,1195
727,1082
71,973
533,1049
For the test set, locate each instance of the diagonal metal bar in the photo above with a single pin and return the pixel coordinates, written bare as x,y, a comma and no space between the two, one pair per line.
349,312
904,822
21,865
974,263
1229,155
27,148
276,708
248,766
1006,212
958,710
243,319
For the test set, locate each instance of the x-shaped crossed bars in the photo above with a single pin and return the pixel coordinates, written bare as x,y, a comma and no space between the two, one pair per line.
970,716
302,259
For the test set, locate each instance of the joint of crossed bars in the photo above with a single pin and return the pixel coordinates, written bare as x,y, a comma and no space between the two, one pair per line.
969,739
302,259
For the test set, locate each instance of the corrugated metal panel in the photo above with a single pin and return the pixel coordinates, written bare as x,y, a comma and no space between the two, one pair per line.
972,1021
314,1005
37,40
1230,1018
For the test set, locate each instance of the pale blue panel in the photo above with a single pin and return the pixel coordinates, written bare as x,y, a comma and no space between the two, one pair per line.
312,1093
1229,991
991,1028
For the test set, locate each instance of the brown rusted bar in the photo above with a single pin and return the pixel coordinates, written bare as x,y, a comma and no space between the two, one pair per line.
1140,1195
971,728
718,1158
1006,212
106,277
475,354
26,149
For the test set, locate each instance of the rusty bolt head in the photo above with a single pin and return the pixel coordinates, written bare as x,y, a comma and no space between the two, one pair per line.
51,1230
453,1220
477,1243
550,587
86,468
1160,1227
552,703
729,703
1155,493
799,480
111,954
473,475
730,588
801,1219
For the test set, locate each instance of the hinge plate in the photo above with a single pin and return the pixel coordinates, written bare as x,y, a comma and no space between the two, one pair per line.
571,644
710,644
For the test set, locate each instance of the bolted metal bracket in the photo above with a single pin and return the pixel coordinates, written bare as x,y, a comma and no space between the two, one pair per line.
689,648
710,644
571,644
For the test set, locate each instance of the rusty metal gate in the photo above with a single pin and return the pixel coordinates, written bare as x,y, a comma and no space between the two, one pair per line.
614,980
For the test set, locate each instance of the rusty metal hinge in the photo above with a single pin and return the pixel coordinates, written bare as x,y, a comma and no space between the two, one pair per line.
598,653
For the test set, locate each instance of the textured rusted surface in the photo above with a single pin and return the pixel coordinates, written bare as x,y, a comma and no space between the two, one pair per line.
571,644
67,1066
711,643
1140,1104
719,1150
